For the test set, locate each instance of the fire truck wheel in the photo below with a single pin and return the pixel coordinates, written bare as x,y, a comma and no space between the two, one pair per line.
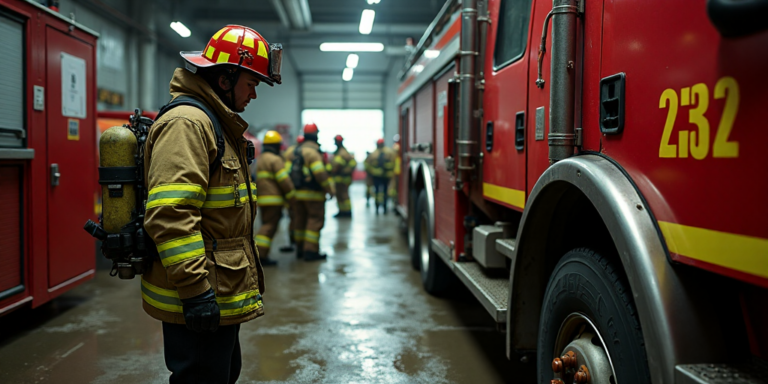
412,220
589,328
435,275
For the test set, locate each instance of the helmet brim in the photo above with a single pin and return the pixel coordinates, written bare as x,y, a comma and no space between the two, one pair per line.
197,59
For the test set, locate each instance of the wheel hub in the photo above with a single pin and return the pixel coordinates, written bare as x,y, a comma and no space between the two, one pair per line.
584,358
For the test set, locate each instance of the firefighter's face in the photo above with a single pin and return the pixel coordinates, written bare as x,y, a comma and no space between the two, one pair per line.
245,90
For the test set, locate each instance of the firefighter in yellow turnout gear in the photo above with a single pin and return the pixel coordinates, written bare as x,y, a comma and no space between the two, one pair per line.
342,166
393,183
206,279
274,189
312,186
381,166
288,156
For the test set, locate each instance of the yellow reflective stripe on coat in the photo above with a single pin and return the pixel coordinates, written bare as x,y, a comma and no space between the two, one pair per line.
291,194
376,171
271,200
312,237
343,179
317,166
339,160
310,195
168,300
264,175
181,249
176,194
263,241
224,197
281,175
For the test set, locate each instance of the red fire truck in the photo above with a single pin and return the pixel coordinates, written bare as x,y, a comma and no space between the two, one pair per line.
47,153
594,171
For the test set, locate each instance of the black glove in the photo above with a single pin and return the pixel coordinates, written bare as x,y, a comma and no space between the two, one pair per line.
201,313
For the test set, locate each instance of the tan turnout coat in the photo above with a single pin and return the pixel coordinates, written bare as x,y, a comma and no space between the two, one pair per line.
202,224
274,186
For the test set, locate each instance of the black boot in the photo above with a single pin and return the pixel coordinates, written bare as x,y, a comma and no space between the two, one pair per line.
314,256
267,262
287,248
299,253
342,215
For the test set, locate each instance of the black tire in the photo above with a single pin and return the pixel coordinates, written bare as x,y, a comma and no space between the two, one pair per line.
435,275
588,284
411,230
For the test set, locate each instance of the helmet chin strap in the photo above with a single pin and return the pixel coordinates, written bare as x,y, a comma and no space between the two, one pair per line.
234,75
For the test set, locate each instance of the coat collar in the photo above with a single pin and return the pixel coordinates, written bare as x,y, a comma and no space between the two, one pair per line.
187,83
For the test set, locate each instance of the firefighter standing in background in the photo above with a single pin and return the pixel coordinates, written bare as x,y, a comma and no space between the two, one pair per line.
368,181
381,166
274,188
342,166
201,207
314,183
288,156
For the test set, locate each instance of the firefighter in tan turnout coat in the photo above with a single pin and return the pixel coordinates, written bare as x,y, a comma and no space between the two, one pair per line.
310,195
342,166
201,208
274,189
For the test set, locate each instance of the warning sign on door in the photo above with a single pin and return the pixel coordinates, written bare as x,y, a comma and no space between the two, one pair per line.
73,86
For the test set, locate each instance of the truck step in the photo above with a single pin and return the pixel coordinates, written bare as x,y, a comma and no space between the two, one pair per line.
754,372
506,247
490,289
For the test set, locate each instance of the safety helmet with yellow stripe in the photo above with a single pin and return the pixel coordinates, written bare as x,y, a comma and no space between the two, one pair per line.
272,137
242,47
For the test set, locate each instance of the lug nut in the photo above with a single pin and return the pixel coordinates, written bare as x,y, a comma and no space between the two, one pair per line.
569,359
557,365
582,376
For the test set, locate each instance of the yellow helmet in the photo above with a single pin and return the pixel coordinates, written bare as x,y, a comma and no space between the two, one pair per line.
272,137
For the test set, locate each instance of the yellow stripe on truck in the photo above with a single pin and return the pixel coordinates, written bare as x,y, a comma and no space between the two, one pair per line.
730,250
505,195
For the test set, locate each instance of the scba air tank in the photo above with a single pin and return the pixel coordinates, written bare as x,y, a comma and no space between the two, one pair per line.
117,150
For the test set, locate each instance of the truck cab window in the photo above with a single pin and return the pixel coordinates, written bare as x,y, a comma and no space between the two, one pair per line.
512,33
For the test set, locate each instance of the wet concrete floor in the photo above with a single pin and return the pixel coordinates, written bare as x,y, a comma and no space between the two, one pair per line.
359,317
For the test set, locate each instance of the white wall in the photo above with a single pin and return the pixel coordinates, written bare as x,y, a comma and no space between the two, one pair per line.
276,105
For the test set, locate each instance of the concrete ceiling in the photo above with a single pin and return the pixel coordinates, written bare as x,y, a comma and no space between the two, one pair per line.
332,20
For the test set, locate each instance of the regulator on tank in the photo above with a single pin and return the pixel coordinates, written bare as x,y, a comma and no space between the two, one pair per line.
121,175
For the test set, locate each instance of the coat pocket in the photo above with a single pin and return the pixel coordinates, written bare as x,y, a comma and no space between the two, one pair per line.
232,272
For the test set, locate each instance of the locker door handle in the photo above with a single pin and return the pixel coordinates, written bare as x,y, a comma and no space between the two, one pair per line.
55,175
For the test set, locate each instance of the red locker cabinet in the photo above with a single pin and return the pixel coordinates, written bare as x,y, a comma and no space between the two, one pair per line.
47,153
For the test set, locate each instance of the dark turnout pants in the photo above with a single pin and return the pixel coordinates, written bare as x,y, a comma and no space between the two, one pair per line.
310,218
204,357
270,218
380,185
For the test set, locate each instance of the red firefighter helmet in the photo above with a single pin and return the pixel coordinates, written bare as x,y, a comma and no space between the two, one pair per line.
338,138
380,142
311,129
243,47
299,139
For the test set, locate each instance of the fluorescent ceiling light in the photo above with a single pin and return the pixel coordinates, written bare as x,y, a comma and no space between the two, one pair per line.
181,29
418,68
431,53
351,47
366,21
352,60
347,74
374,2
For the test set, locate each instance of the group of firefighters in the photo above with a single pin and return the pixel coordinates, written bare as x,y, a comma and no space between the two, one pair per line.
305,189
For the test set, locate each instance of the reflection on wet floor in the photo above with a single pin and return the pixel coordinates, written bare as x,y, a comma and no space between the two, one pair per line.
359,317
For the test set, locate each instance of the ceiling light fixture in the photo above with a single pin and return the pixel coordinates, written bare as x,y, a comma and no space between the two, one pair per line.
181,29
347,74
351,47
418,68
366,21
352,60
431,53
371,2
